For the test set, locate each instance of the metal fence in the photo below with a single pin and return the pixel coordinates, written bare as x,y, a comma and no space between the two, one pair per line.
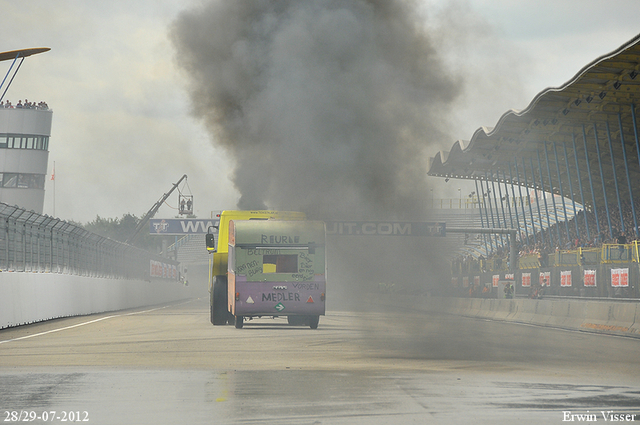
31,242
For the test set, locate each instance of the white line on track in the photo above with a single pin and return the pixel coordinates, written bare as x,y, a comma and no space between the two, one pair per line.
87,323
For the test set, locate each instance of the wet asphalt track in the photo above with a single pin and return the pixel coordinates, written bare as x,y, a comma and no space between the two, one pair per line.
168,365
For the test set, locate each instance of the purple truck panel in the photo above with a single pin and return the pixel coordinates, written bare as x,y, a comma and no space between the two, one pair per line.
279,298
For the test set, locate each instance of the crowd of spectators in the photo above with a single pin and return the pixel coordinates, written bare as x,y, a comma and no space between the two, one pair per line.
26,105
621,231
546,241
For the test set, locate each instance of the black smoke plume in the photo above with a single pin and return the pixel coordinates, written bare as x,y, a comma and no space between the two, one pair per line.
326,106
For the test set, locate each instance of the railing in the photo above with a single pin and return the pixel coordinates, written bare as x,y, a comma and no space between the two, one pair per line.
470,203
616,253
529,261
567,258
588,256
611,271
30,242
607,254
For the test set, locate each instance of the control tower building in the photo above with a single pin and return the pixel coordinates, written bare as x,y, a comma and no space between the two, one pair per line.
24,142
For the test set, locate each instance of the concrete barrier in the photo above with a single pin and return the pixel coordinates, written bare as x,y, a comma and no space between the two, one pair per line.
558,314
611,317
620,318
34,297
597,316
490,308
623,315
635,328
575,314
479,308
458,306
527,313
515,307
502,309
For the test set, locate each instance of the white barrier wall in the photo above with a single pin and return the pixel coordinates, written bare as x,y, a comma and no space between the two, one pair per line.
34,297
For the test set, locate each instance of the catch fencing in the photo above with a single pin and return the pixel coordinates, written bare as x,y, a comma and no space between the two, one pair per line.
31,242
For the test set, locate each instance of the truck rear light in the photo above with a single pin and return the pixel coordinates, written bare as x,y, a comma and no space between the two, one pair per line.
322,297
237,296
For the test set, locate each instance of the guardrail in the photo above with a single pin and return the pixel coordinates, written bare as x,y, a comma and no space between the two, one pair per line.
31,242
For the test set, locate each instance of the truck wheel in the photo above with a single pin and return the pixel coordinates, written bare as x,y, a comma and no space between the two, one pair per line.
239,322
219,301
313,322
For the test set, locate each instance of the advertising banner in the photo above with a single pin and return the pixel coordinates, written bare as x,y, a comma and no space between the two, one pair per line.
163,270
620,277
465,282
590,278
389,228
545,276
179,226
565,278
496,280
624,278
526,280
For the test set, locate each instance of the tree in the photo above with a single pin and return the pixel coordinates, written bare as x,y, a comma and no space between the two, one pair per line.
120,230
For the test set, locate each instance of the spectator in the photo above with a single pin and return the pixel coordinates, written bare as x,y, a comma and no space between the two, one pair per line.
622,240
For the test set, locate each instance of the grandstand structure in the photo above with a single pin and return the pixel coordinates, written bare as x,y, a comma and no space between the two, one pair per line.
495,211
190,250
572,146
24,143
579,141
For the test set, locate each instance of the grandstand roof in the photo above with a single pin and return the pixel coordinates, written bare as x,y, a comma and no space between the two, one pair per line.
590,109
23,53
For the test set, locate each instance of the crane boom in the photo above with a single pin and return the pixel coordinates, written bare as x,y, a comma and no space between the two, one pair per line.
153,211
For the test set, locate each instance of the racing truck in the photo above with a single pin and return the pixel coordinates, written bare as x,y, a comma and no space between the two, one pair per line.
267,264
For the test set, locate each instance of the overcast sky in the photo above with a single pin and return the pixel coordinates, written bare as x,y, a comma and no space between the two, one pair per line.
122,130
